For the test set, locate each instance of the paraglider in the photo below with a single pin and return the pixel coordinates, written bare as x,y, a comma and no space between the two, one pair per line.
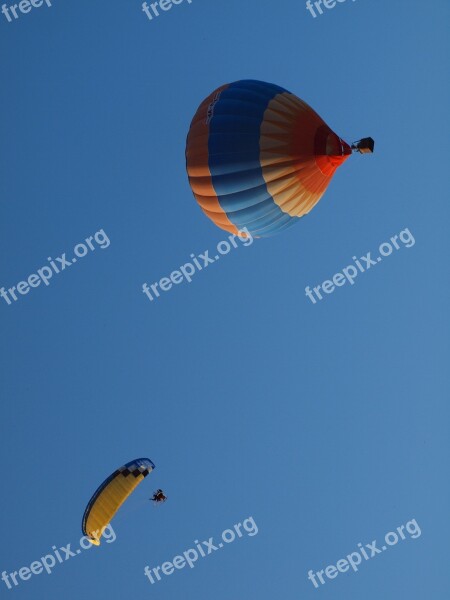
158,497
110,496
258,157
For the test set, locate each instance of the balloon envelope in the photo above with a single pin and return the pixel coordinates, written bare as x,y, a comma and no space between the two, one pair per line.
259,158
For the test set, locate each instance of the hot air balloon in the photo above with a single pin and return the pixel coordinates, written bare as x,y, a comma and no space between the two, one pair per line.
260,158
110,496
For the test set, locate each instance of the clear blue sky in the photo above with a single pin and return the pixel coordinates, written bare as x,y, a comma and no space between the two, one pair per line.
327,423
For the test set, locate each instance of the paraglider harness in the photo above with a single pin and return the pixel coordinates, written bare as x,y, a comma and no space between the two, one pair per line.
159,496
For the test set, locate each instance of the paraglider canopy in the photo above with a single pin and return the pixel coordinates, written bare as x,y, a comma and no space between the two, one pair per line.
110,496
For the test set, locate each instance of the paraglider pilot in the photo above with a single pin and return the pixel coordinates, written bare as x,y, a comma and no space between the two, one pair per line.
159,496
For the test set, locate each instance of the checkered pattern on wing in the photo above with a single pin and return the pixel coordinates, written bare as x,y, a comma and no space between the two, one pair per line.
135,469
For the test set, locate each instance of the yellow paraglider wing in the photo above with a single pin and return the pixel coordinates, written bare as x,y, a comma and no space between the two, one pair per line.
110,496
